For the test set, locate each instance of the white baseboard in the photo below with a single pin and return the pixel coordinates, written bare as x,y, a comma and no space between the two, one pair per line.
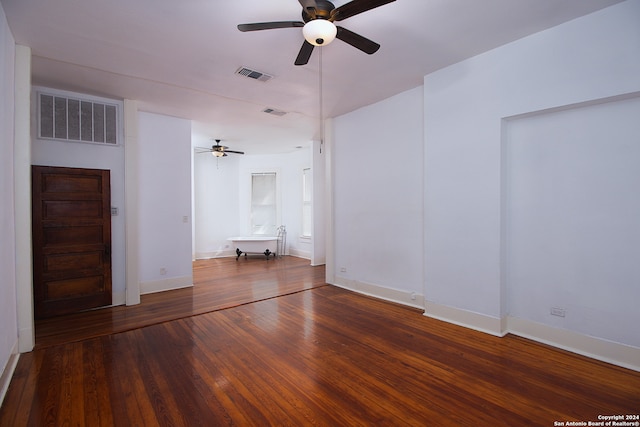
468,319
7,372
410,299
118,298
299,253
595,348
26,339
318,261
166,284
216,254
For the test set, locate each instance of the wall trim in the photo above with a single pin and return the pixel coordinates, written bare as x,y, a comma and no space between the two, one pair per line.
407,298
299,253
595,348
468,319
169,284
22,198
7,372
131,162
318,262
585,345
217,254
118,298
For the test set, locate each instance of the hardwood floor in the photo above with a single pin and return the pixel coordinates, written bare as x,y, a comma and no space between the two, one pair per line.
218,283
320,356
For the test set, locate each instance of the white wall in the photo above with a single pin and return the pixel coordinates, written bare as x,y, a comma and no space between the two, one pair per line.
572,219
8,314
164,202
585,60
90,156
216,204
377,157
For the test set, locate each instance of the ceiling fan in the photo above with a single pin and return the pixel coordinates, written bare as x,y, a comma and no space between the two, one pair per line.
319,29
219,150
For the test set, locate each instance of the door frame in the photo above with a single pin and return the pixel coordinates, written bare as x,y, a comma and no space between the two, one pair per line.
22,192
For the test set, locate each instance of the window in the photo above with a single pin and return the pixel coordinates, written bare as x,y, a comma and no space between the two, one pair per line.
306,202
264,209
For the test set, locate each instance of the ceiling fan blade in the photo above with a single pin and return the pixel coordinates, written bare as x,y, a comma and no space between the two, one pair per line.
357,41
355,7
232,151
257,26
304,54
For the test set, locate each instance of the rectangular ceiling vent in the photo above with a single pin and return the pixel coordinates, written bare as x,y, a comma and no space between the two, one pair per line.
253,74
274,112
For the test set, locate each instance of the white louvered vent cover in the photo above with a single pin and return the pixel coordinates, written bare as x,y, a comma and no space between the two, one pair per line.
73,119
274,112
253,74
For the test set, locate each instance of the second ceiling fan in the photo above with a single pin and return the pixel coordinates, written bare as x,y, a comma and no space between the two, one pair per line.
318,17
218,150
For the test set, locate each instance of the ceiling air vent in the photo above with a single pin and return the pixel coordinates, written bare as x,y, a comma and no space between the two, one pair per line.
71,118
274,112
253,74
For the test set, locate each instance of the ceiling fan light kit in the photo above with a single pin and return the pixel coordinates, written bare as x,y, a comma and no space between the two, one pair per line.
319,32
319,29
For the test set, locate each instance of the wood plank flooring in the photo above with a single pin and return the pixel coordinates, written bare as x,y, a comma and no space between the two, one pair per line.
322,356
218,283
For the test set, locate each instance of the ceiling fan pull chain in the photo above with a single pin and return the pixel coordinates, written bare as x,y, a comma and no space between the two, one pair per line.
321,107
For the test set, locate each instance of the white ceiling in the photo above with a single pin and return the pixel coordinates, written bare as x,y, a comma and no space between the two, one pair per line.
179,57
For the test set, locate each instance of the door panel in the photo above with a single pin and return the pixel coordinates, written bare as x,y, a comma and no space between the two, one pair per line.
71,239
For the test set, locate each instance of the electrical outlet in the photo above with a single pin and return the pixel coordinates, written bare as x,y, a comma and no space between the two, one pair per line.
556,311
163,271
343,269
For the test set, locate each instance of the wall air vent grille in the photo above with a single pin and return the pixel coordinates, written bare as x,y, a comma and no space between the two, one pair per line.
80,120
274,112
252,74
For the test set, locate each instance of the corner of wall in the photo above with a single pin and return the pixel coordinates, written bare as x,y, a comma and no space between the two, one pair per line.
410,299
468,319
132,274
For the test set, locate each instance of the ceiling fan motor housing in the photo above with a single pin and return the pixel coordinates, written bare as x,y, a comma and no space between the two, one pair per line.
321,11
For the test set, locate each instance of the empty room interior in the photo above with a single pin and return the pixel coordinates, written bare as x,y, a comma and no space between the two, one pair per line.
365,212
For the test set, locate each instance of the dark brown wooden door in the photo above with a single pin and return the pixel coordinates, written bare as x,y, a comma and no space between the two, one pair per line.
71,239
